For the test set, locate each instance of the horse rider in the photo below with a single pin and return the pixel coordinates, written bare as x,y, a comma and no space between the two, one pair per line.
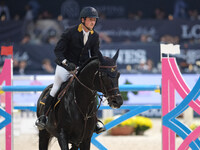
76,45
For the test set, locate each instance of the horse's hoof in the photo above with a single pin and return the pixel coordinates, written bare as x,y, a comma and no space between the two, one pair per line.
100,130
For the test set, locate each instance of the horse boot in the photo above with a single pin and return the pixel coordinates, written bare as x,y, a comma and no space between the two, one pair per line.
99,129
42,120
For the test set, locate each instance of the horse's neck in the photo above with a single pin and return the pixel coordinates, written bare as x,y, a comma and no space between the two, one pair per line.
97,83
84,93
87,79
87,75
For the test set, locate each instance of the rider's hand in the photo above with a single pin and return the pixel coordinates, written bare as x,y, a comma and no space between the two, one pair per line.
68,66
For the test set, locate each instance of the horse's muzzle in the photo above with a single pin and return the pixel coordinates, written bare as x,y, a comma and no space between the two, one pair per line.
115,101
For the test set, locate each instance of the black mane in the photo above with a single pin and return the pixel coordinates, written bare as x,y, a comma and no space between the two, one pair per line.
106,61
85,64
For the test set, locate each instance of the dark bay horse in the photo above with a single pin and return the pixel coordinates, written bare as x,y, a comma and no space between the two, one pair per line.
73,120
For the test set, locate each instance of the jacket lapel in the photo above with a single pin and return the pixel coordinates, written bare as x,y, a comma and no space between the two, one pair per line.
80,32
81,37
88,41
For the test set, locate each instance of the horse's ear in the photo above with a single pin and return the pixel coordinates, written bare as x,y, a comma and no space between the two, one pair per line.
100,56
116,55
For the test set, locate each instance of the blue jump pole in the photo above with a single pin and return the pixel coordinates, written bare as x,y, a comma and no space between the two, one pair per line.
41,88
22,88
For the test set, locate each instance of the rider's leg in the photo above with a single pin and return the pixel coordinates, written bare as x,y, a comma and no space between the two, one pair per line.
61,75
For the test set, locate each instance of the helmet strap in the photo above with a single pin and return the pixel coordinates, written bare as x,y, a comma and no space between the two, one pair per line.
86,26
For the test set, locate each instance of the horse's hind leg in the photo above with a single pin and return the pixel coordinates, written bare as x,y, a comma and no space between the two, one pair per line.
44,138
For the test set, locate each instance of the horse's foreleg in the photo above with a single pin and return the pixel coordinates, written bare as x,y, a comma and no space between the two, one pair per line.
62,140
74,147
85,145
44,138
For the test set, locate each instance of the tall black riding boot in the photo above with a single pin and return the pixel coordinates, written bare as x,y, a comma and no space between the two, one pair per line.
42,120
98,129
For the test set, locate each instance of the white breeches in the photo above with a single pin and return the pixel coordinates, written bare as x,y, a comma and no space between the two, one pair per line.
61,75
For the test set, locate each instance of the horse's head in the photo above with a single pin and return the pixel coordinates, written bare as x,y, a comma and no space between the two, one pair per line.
108,78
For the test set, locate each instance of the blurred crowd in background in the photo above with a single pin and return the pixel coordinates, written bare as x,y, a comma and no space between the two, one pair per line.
43,26
34,9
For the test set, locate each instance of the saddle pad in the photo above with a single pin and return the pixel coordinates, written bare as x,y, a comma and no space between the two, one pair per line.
43,101
64,88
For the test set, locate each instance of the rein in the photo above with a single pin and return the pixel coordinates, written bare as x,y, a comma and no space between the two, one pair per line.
90,114
94,92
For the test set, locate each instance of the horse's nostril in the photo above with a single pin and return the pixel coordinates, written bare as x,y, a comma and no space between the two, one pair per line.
115,102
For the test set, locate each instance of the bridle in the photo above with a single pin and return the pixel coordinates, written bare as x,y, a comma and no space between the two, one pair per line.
103,86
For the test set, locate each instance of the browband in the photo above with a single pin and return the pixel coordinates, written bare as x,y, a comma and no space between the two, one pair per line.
108,66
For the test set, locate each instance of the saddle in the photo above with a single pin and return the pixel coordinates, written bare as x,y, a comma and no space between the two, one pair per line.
61,92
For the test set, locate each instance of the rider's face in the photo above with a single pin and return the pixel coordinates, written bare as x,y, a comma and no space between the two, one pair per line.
90,22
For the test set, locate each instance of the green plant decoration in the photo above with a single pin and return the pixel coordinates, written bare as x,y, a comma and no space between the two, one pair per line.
124,94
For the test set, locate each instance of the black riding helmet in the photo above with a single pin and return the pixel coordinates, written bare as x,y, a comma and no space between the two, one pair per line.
90,12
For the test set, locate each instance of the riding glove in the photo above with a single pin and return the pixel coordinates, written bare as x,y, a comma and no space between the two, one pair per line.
68,66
